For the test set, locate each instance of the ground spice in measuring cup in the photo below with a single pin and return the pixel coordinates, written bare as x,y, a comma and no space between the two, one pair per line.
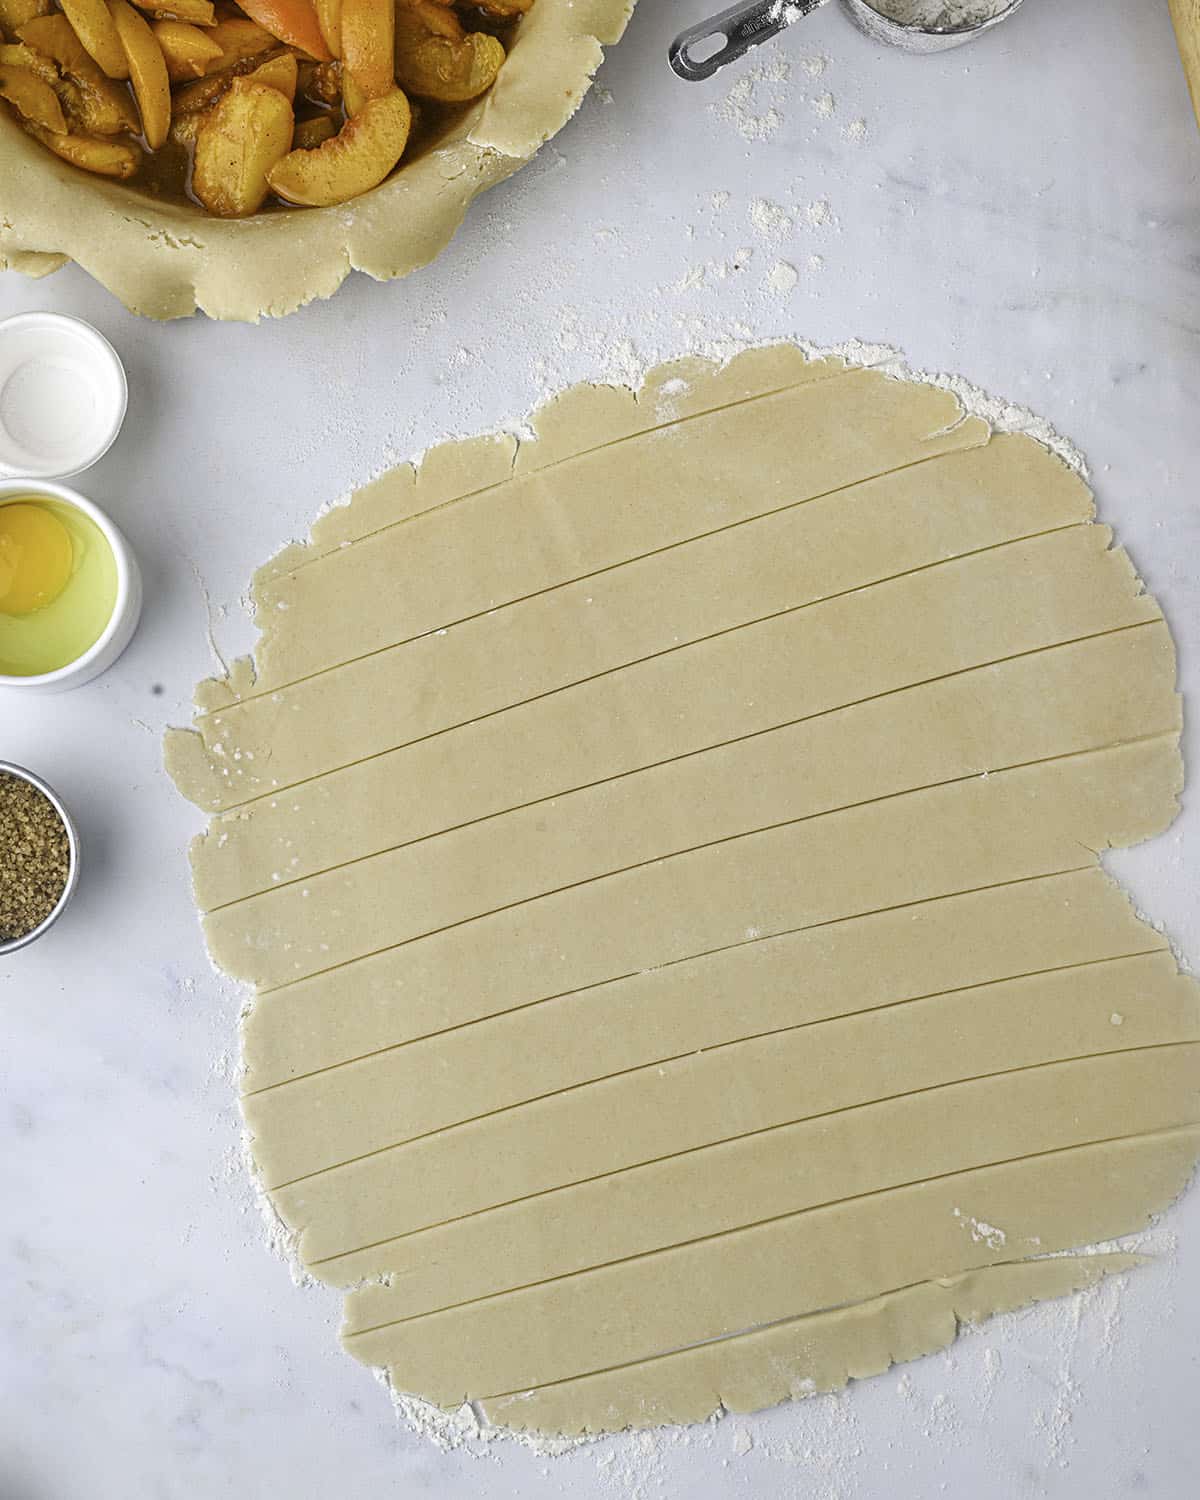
35,857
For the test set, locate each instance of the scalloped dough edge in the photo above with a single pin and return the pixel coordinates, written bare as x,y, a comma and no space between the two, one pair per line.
676,388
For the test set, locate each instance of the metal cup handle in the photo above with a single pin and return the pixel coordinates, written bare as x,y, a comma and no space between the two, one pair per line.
740,28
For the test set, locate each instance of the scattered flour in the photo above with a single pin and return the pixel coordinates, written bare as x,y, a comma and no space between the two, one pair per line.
754,104
782,278
754,118
992,1367
691,279
982,1232
770,219
942,1417
754,107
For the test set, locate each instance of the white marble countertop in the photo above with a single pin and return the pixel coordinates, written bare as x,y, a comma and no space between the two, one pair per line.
1025,212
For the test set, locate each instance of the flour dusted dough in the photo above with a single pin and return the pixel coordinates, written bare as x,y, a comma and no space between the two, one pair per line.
665,855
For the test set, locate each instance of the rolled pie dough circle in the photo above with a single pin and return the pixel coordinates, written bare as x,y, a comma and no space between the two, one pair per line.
665,854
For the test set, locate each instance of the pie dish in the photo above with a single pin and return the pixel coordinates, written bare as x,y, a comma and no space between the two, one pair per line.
166,257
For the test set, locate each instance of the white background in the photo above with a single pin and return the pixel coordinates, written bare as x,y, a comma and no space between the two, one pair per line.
1026,212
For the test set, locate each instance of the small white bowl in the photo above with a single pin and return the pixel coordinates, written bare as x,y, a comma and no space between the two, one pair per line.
12,944
126,611
63,396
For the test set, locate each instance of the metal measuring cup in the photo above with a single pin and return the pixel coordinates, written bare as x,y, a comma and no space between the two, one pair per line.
746,25
19,773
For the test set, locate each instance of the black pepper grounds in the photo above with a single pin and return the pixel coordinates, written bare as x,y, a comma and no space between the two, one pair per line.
35,857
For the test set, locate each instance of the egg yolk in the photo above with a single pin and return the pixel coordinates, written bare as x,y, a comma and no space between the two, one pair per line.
36,556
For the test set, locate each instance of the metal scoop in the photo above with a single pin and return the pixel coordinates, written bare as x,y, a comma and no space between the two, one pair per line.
741,27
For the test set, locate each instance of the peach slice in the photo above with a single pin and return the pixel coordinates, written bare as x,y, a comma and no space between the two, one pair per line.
200,94
15,13
280,73
93,25
188,52
185,128
353,162
237,145
148,71
354,96
309,134
368,44
91,101
241,53
417,19
292,21
32,98
21,55
194,12
451,72
329,19
240,40
108,158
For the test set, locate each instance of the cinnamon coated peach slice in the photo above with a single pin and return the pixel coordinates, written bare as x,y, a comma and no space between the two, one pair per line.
280,73
147,71
239,142
189,53
32,98
94,26
92,102
357,159
194,12
292,21
368,43
107,158
451,72
329,19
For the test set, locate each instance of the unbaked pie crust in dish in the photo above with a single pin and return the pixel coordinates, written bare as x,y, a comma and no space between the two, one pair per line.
666,852
166,258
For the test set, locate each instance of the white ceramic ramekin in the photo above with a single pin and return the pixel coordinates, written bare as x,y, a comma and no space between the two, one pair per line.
63,395
128,608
